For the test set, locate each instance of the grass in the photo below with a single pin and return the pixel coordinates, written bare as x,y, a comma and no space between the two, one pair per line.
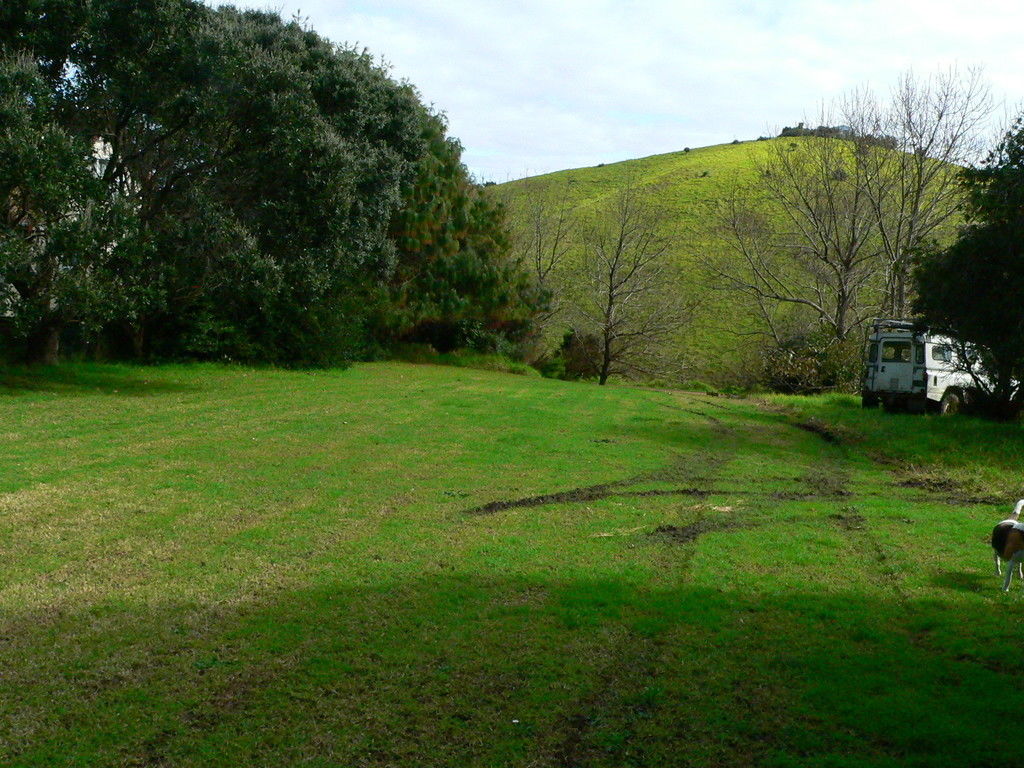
688,187
218,566
462,358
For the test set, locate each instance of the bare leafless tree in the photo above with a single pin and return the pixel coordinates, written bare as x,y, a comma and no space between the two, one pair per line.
544,231
911,150
835,218
806,235
630,301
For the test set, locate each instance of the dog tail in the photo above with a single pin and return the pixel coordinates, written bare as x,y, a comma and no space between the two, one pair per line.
1017,509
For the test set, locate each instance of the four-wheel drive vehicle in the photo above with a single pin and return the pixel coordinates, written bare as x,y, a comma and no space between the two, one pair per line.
908,367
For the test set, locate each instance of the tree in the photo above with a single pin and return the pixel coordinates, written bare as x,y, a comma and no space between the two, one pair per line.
629,303
974,289
455,282
912,149
804,235
824,239
544,233
54,238
266,194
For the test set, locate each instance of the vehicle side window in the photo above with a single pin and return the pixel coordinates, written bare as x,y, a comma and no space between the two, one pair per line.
896,352
873,352
919,354
942,352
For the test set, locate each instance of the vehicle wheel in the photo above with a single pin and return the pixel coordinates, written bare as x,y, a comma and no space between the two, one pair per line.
951,402
869,401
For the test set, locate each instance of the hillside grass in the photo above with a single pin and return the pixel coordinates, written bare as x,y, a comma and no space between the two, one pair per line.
400,565
688,187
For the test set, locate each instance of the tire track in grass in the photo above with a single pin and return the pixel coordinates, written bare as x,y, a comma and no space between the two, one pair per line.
681,471
851,521
603,727
608,725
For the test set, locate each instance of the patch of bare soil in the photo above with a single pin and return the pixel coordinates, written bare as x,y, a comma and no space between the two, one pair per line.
933,484
699,493
829,483
947,489
586,493
699,467
683,534
821,429
683,470
792,496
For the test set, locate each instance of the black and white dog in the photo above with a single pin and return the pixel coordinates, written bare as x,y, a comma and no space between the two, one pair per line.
1008,544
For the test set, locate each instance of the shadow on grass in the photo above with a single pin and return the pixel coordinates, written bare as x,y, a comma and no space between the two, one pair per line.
965,582
81,378
462,670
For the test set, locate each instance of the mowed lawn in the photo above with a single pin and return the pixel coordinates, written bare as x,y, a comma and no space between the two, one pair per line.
399,565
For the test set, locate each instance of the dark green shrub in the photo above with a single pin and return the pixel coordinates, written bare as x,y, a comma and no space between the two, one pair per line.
811,364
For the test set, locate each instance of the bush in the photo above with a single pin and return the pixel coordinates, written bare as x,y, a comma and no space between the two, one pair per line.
551,367
424,354
573,360
812,364
467,358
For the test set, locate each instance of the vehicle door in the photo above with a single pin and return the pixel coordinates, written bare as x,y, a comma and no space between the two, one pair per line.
871,382
896,364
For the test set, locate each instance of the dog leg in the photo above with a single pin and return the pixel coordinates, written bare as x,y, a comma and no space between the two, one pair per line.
1015,562
999,564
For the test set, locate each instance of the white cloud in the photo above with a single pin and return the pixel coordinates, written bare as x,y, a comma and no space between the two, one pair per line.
536,86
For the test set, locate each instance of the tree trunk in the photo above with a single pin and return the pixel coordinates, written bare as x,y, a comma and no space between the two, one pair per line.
138,335
900,301
44,345
606,361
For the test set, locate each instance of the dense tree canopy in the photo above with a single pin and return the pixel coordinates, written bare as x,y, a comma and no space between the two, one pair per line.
228,184
974,289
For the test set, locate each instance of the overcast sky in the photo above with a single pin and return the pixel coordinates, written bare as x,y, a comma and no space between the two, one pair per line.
533,86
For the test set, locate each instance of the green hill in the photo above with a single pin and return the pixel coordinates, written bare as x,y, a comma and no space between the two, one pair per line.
689,183
688,186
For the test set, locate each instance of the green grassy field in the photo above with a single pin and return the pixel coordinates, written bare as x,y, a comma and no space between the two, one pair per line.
400,565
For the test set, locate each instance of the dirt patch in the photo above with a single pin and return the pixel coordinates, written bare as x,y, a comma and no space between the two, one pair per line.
686,469
849,520
821,429
829,483
947,489
586,493
700,493
708,416
589,493
988,501
683,534
699,467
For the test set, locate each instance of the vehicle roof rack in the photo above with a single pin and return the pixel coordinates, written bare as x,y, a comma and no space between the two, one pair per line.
894,323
